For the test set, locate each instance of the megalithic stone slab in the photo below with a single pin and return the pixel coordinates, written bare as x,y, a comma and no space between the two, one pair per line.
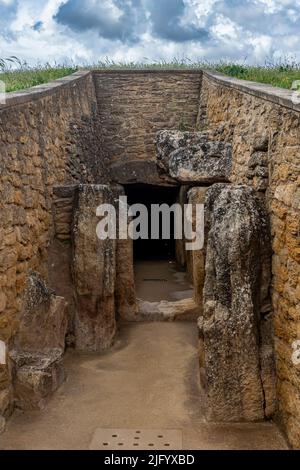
37,376
43,322
193,157
126,303
182,256
94,272
235,329
196,196
38,346
125,285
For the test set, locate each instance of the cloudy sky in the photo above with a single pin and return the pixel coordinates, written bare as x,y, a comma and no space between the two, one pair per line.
86,31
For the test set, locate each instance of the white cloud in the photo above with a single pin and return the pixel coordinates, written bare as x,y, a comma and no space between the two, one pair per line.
262,47
263,29
197,12
225,29
49,11
274,6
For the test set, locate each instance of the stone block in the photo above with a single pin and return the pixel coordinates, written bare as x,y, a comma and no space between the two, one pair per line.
94,272
182,256
2,424
43,322
37,377
197,196
6,396
178,310
193,157
38,346
125,283
236,332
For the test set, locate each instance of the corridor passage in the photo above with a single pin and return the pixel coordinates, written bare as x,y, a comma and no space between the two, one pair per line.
148,380
157,280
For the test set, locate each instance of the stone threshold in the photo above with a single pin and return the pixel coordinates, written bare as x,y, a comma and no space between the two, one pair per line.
184,310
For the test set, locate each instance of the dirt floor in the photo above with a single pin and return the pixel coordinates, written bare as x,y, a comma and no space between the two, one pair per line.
148,380
157,280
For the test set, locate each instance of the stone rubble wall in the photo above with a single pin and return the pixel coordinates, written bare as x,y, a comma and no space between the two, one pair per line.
263,125
138,104
64,198
44,136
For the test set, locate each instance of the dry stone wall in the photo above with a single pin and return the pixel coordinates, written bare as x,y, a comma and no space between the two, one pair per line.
137,105
263,125
44,134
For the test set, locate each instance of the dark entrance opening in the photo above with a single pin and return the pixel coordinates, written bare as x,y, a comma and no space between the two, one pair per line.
161,249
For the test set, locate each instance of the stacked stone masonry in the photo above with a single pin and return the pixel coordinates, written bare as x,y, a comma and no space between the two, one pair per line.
138,105
263,126
43,136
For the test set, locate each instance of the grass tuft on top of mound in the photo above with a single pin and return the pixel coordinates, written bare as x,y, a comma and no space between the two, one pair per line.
18,75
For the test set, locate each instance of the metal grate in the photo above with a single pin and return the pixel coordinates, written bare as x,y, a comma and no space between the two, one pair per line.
136,439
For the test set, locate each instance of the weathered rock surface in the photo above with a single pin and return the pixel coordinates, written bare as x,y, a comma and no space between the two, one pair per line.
43,322
235,330
197,196
39,344
126,304
2,424
37,376
185,309
193,157
6,396
182,256
125,285
258,168
94,272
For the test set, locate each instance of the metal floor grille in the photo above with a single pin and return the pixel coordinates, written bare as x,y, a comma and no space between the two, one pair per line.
136,439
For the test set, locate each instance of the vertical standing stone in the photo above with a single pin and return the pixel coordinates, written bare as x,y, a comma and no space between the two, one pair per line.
197,196
236,357
94,272
126,303
127,307
2,424
181,254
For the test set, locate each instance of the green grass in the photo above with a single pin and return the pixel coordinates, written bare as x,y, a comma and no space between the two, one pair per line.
281,76
19,76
